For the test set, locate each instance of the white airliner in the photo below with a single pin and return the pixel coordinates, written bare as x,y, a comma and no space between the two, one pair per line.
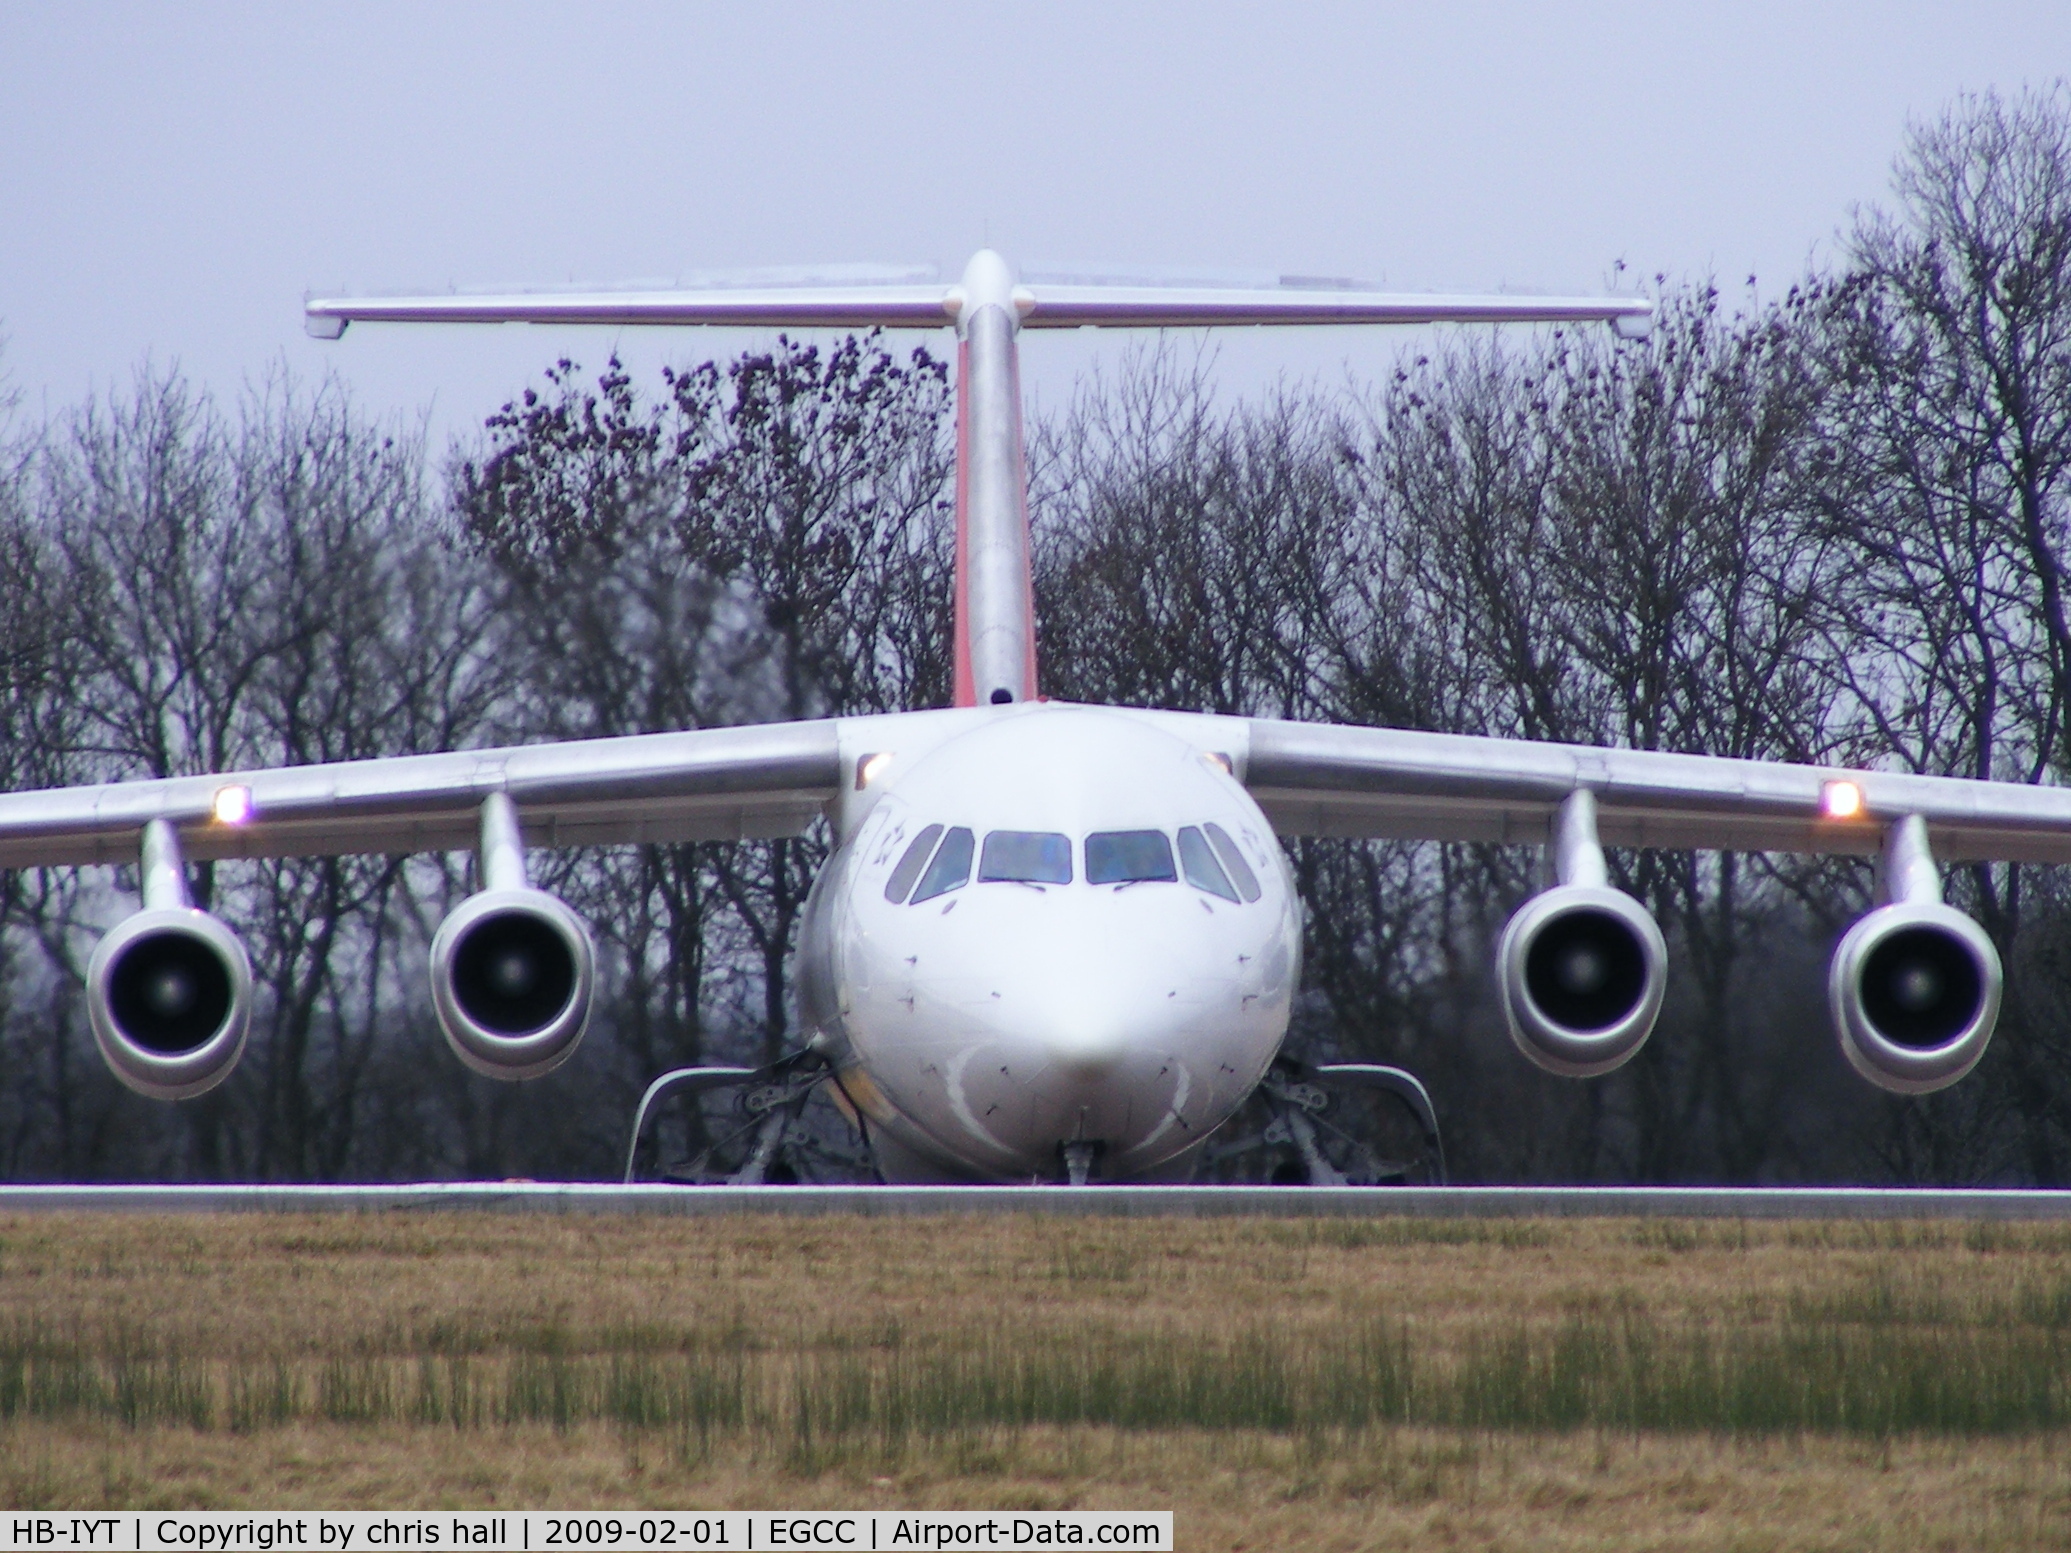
1053,942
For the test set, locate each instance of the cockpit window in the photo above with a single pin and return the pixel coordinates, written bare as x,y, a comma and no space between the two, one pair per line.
1233,860
1203,871
1026,856
1128,857
951,869
910,865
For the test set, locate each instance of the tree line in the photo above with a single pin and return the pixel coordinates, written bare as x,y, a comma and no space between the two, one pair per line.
1827,525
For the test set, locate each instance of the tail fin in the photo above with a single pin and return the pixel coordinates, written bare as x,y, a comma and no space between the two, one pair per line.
995,610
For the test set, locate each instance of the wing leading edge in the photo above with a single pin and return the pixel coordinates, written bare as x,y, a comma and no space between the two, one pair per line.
1330,780
766,779
772,779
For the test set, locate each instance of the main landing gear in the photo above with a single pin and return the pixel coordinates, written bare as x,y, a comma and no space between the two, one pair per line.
769,1140
1332,1124
1335,1124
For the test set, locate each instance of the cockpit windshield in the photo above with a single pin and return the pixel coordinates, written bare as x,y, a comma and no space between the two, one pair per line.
1208,860
1025,857
910,865
951,869
1203,871
1128,857
1233,860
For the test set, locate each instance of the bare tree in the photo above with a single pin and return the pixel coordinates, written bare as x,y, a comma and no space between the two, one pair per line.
1186,551
1949,342
259,590
760,542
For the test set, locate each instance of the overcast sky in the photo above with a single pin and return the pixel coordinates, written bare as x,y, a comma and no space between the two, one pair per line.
173,178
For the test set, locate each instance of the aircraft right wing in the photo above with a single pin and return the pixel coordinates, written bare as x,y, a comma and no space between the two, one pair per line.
764,779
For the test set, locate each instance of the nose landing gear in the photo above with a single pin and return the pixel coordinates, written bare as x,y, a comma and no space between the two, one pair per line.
1080,1156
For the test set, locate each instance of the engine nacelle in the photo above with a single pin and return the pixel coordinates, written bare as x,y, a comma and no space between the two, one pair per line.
169,996
511,972
1582,969
511,967
1914,988
169,991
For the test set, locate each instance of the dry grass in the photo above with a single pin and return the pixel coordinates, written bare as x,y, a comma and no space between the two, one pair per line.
1394,1488
1512,1384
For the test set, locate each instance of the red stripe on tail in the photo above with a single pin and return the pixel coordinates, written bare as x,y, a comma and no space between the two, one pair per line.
966,687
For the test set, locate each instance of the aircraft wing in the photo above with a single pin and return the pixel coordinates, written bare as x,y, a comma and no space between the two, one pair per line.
1322,779
768,779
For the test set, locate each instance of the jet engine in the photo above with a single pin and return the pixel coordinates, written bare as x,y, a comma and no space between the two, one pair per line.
1914,986
169,990
1581,966
511,966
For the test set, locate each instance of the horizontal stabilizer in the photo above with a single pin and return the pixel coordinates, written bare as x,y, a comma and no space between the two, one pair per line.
774,307
859,304
1176,307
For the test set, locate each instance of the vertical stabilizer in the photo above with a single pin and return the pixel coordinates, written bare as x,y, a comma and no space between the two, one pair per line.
995,609
995,596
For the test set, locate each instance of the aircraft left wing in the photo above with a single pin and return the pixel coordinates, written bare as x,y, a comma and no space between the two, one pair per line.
768,779
1331,780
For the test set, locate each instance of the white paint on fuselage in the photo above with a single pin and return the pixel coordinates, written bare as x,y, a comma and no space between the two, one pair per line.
985,1028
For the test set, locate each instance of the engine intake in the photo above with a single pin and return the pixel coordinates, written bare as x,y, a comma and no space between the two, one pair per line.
1581,967
511,966
1915,985
169,990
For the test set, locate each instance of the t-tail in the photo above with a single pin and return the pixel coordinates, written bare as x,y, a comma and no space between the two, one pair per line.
995,590
995,658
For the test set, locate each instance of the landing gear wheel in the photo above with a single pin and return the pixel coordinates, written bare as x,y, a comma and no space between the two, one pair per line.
1338,1124
769,1136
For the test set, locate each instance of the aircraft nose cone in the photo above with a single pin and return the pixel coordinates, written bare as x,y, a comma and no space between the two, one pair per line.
1091,1024
1086,1048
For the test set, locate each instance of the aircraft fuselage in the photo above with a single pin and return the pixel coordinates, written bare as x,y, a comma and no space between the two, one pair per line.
1061,925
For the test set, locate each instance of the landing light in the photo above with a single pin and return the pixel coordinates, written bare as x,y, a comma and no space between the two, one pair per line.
870,768
1840,800
233,804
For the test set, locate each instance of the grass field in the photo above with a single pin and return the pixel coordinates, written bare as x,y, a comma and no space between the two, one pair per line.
1321,1383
